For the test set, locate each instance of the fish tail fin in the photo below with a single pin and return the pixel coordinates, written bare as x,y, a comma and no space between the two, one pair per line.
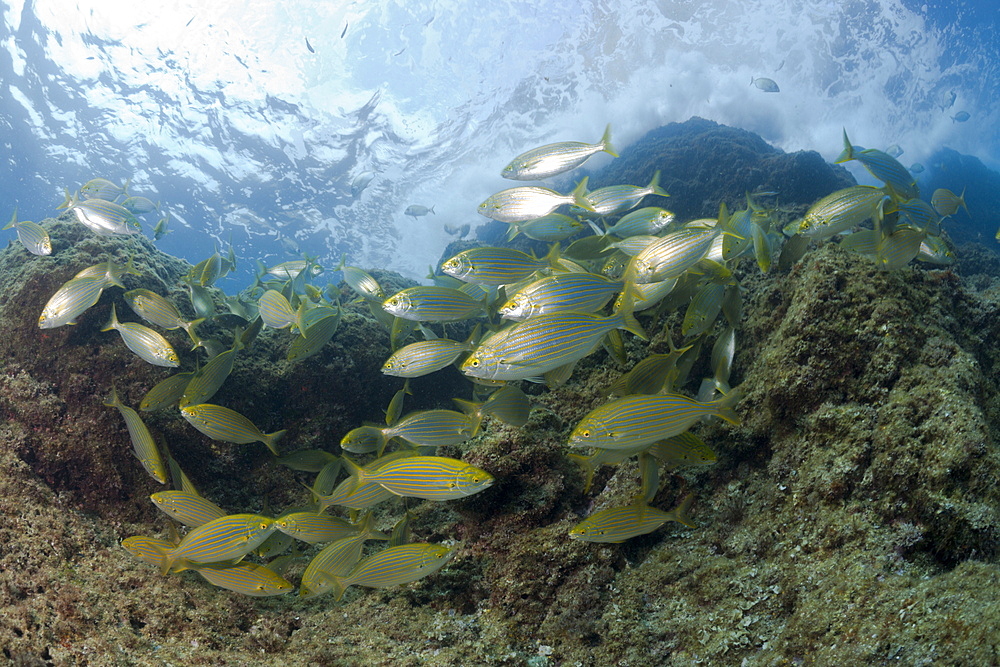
431,209
847,153
469,408
654,185
343,262
597,230
681,513
337,586
552,257
113,401
128,182
513,411
13,219
588,466
113,322
961,201
512,232
272,439
606,142
196,340
629,323
579,195
725,406
68,200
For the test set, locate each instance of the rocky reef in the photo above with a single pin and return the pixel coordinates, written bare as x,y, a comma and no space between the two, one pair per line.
850,519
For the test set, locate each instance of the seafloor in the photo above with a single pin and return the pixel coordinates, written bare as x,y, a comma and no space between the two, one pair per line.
851,519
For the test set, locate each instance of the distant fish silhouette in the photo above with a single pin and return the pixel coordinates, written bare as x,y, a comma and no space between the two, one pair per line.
309,46
344,31
765,84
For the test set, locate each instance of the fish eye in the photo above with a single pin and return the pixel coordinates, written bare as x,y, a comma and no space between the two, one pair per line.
586,434
474,363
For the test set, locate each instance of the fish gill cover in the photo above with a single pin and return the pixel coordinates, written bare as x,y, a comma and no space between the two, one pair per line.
858,454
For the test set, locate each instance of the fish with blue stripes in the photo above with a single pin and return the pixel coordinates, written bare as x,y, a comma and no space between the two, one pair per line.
150,346
104,218
532,348
159,311
337,559
643,419
275,310
102,188
32,235
150,550
424,357
426,477
946,202
143,445
430,303
619,198
882,166
220,423
315,528
208,379
187,507
671,255
530,201
617,524
508,404
497,266
649,220
70,301
553,159
247,579
166,393
548,228
227,538
562,292
394,566
361,282
839,211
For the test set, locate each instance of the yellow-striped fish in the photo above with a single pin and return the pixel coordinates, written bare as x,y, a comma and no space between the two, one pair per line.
530,201
424,357
562,292
355,494
618,524
220,423
544,343
429,303
70,301
166,393
315,528
157,310
946,202
275,310
143,444
247,579
32,236
839,211
615,199
497,266
394,566
150,550
671,255
149,345
508,404
643,419
323,323
208,379
187,508
224,539
552,159
882,166
426,477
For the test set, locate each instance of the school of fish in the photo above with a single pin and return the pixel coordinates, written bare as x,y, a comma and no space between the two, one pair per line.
536,318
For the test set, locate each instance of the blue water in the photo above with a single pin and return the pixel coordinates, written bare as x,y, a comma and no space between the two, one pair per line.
245,133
